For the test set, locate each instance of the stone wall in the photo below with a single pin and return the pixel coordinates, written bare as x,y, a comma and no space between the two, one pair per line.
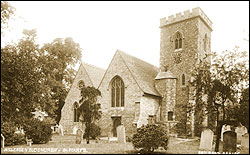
67,112
148,106
133,94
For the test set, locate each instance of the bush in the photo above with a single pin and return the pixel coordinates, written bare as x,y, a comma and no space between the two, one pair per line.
150,137
11,138
95,131
39,131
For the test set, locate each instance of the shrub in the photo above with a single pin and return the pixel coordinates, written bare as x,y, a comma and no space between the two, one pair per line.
11,138
39,131
150,137
95,131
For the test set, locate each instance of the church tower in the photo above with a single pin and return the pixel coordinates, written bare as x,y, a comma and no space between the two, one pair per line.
185,38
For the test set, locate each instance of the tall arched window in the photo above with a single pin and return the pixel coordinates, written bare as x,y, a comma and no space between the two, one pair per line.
117,92
183,79
178,41
205,43
76,112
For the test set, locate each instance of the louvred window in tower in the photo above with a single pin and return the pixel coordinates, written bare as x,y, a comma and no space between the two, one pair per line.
117,92
205,43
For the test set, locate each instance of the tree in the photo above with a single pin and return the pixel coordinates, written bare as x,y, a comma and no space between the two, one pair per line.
58,59
89,109
6,12
21,92
243,111
221,83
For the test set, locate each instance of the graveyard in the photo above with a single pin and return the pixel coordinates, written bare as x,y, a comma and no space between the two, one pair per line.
68,142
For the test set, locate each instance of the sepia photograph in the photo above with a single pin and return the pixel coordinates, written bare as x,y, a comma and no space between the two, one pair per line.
124,77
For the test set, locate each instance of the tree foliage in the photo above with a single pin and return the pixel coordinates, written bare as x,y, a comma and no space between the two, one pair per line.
89,109
6,12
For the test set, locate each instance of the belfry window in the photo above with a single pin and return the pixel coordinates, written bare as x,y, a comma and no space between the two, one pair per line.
178,40
117,92
76,112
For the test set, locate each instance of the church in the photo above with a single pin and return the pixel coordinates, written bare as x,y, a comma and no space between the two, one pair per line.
135,92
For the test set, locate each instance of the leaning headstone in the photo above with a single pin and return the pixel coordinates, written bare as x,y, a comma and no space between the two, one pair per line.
224,128
60,129
79,136
206,142
240,130
75,130
121,137
245,141
229,141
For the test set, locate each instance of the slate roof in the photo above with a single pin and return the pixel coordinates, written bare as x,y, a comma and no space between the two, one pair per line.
95,73
143,72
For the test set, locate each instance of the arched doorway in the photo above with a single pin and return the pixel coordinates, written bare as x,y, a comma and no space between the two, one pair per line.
116,123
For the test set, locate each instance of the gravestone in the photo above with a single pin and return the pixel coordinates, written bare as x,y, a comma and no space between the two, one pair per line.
60,129
79,136
245,141
224,128
121,137
240,130
206,142
229,141
75,130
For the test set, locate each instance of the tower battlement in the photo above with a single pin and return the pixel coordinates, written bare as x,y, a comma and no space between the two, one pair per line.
196,12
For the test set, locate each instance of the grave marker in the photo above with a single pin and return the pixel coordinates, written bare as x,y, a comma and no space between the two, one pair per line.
121,137
224,128
229,141
79,136
206,142
245,141
240,130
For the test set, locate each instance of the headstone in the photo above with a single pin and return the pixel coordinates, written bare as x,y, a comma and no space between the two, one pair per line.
2,141
206,142
121,137
224,128
109,136
79,136
229,141
74,130
60,129
240,130
245,141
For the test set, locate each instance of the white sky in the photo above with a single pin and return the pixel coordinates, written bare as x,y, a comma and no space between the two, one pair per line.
133,27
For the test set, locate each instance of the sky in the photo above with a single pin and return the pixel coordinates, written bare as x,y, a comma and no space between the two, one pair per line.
102,27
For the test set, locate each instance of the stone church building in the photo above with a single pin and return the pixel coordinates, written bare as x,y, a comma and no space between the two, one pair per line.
135,92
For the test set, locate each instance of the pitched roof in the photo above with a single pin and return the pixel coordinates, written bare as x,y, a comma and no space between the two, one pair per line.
165,75
143,72
95,73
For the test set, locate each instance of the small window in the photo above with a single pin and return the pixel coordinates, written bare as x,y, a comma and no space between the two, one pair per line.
81,84
170,116
205,43
178,40
150,119
183,78
76,112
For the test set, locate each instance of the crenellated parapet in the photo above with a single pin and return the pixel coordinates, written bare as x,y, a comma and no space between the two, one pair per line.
196,12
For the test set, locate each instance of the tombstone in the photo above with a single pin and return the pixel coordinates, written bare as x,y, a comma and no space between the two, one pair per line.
60,129
245,141
121,137
109,136
229,141
206,142
240,130
79,136
224,128
75,130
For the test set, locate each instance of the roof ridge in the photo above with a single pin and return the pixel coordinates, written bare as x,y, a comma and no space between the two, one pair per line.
137,58
97,67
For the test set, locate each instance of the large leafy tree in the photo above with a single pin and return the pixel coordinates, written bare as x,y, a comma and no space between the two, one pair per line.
6,12
21,91
58,59
89,109
221,83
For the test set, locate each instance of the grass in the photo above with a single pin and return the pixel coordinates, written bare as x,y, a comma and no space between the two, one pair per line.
176,146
